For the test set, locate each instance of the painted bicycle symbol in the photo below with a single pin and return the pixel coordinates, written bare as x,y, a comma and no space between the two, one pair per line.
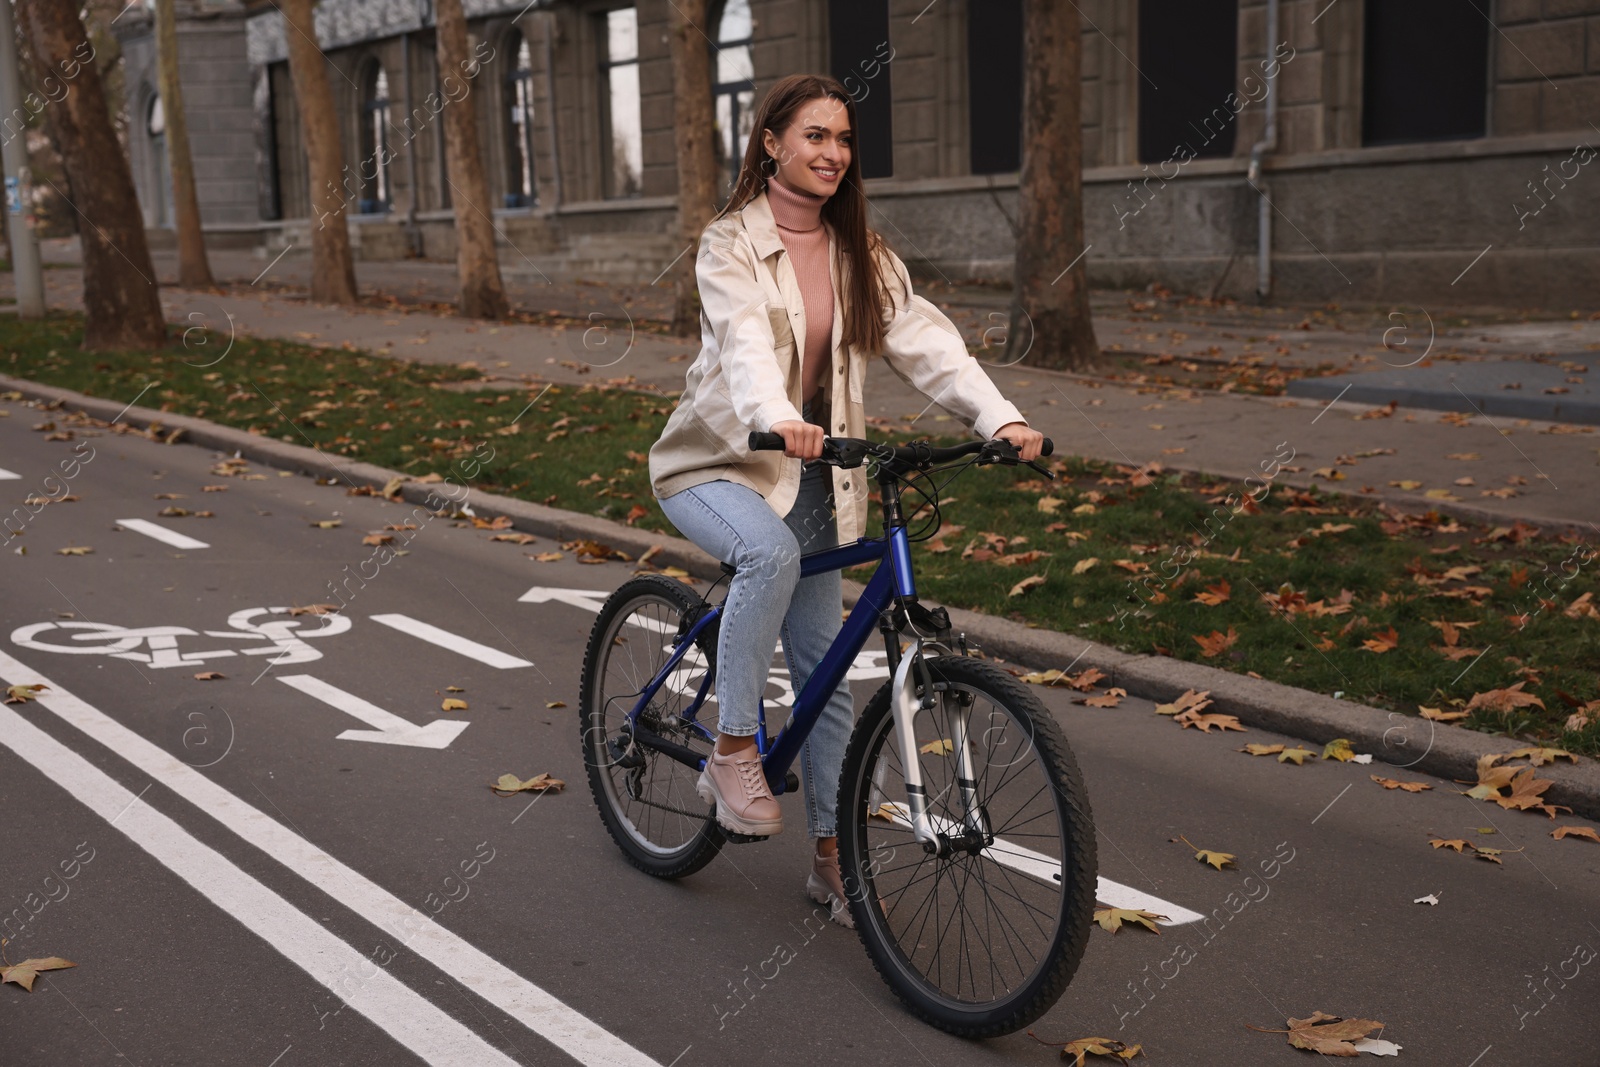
157,646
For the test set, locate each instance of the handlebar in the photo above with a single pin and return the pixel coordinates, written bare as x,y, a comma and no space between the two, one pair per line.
851,452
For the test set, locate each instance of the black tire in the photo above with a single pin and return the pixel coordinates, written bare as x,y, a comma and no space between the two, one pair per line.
1033,960
658,841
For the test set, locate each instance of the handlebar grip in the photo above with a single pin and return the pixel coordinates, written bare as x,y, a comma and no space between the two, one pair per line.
1048,447
766,442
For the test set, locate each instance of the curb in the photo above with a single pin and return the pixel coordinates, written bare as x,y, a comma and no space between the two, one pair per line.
1393,738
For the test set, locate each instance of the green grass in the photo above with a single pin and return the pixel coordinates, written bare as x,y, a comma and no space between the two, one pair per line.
583,449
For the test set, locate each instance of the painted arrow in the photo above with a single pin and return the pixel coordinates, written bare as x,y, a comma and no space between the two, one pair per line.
387,729
587,599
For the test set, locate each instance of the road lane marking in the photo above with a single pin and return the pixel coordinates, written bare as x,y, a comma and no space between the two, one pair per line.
587,599
1037,865
6,475
395,1008
538,1010
387,728
161,533
454,642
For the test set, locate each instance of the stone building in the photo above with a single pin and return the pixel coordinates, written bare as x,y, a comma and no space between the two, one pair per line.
1435,150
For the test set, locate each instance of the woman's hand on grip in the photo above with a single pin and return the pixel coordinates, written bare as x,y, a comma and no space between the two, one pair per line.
801,440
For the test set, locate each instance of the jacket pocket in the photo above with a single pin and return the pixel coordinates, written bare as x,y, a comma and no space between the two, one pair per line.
782,330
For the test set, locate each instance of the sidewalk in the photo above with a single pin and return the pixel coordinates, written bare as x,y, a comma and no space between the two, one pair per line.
1144,412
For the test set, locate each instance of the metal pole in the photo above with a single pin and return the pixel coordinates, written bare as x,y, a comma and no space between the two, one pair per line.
1258,155
14,146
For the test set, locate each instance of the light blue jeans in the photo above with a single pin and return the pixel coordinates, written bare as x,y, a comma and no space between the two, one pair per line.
767,597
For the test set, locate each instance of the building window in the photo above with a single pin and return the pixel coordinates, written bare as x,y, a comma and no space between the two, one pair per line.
1425,71
858,50
156,129
519,126
622,138
1189,50
732,90
994,86
373,169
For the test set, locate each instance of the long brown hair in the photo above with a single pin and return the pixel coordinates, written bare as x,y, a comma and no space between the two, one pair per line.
845,211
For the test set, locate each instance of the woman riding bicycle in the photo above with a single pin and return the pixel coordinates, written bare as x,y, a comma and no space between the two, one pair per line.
796,292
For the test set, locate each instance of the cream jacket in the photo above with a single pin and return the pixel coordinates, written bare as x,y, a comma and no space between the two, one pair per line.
747,375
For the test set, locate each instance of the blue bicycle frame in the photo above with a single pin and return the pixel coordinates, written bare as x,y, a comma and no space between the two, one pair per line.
887,584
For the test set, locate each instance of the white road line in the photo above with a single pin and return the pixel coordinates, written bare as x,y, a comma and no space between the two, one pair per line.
161,533
454,642
399,1011
1034,864
6,475
541,1012
387,728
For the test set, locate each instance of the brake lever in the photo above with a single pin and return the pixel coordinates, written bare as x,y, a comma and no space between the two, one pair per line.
1049,474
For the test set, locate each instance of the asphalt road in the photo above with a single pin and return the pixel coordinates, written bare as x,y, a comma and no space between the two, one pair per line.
240,881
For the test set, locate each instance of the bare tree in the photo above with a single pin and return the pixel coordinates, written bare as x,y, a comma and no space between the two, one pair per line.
121,303
697,161
483,296
194,270
1050,295
333,272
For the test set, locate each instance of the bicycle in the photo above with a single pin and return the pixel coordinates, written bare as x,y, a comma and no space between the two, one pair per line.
960,802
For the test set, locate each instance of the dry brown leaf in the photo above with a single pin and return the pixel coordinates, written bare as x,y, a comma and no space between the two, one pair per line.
514,538
1382,642
1026,584
1540,756
1215,594
1216,642
1083,565
1328,1035
1112,919
1297,756
1262,750
1441,716
209,676
315,609
1189,701
539,783
1109,699
1395,783
25,972
21,694
1204,723
453,704
1575,831
1456,843
1503,701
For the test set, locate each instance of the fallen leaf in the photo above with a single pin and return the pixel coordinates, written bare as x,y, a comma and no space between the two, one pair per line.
1112,919
1204,723
377,538
209,676
1429,899
1575,831
1382,642
1215,594
1407,484
1026,584
548,557
1441,716
941,747
454,689
1216,642
1084,565
1339,749
75,550
1329,1035
1456,843
514,538
1218,860
315,609
539,783
453,704
1395,783
1503,701
1190,700
555,703
21,694
1297,755
1096,1046
1049,504
328,524
25,972
1083,681
1262,750
1540,756
890,811
1109,699
635,513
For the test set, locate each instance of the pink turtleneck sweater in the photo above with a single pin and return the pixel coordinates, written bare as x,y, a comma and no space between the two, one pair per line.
799,219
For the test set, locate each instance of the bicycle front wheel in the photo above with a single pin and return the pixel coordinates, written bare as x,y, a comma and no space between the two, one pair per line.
647,800
981,936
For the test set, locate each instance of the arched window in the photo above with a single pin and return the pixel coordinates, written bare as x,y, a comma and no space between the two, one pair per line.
732,90
156,129
374,165
519,125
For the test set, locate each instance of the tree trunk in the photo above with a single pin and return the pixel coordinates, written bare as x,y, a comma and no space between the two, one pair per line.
483,296
333,272
697,161
1050,297
121,303
194,270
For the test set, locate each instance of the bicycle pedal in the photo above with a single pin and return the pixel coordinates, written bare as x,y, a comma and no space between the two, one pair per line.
743,839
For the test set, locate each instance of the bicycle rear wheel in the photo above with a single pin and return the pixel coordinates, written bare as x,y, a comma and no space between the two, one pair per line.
980,939
647,800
